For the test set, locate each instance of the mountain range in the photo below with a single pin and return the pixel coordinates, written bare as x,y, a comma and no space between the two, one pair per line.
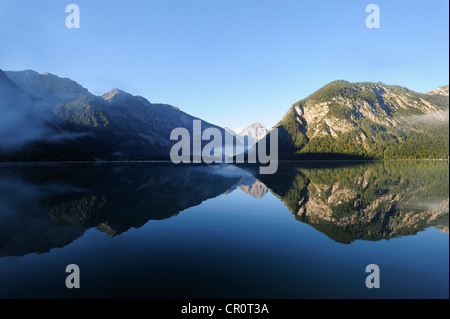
366,120
48,118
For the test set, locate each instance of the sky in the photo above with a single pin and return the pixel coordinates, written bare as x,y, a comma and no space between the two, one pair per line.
229,62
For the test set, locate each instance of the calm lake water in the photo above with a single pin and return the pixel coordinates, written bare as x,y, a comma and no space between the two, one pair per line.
167,231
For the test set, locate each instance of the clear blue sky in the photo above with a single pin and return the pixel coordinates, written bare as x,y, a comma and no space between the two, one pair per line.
230,62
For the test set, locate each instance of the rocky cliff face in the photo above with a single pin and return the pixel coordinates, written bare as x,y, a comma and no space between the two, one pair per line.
368,120
443,90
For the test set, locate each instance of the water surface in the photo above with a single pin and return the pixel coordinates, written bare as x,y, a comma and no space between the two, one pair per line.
167,231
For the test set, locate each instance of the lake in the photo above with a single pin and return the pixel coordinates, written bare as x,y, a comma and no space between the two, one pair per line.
158,230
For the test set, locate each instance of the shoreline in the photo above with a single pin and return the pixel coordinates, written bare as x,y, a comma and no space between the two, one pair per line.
62,163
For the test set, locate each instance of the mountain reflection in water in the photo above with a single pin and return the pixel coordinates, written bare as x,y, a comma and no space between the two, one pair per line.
45,207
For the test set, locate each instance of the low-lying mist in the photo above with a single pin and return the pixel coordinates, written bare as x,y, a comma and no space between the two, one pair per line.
24,119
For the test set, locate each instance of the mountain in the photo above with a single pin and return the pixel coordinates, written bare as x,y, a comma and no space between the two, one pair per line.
73,124
366,120
19,120
6,85
254,132
11,95
230,131
443,90
47,86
